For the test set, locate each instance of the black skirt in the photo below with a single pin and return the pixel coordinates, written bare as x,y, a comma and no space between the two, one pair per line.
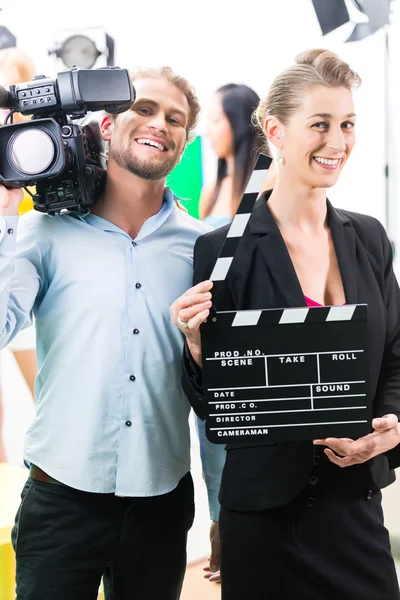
330,543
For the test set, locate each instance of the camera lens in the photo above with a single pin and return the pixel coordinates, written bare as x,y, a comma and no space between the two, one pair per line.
31,151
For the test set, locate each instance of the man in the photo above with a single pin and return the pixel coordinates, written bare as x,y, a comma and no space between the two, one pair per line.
110,492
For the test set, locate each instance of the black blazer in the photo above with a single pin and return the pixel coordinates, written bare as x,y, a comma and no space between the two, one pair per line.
261,476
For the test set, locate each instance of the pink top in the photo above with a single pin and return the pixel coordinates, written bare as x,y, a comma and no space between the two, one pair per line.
311,302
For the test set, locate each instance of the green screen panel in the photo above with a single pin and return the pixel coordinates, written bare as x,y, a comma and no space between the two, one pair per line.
186,179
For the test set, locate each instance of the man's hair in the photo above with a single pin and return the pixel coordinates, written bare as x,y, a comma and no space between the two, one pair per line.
179,82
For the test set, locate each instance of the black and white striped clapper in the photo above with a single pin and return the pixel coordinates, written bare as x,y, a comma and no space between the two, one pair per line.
239,224
283,374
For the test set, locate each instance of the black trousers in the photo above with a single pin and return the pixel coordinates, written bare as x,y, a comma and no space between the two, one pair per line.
329,543
66,540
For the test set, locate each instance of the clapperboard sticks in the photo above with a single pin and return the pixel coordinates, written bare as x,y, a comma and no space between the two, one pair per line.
230,339
239,224
287,316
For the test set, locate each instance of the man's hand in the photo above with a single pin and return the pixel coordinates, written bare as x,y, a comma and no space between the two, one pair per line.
345,452
10,201
212,570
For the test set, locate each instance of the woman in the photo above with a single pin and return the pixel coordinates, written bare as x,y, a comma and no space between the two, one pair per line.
235,142
304,520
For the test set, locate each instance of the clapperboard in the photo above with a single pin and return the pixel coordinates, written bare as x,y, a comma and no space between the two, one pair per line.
282,374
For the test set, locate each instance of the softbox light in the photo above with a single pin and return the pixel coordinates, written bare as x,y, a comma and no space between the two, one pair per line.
331,14
378,13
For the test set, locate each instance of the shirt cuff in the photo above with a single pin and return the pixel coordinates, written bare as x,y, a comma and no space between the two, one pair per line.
213,505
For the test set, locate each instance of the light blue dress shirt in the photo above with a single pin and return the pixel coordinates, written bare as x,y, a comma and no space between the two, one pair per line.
217,221
111,416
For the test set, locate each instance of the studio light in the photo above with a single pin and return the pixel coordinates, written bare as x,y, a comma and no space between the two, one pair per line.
332,14
7,39
84,48
377,11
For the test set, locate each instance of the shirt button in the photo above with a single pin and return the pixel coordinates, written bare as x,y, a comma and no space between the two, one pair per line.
10,231
138,286
128,423
313,480
136,331
134,244
317,458
132,378
310,502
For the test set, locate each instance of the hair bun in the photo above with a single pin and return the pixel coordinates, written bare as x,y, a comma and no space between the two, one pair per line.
310,57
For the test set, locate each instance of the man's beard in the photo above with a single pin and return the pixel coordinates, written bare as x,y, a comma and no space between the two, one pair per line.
141,168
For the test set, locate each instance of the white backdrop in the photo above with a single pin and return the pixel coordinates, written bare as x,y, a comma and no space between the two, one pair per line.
224,41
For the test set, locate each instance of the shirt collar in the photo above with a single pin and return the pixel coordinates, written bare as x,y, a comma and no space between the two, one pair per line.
149,226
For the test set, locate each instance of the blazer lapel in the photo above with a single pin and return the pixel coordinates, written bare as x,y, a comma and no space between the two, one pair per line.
264,233
273,249
344,240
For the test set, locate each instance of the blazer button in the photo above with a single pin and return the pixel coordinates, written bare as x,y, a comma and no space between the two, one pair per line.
317,458
310,501
369,495
313,480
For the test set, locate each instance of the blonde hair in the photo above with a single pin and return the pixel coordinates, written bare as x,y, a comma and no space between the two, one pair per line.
16,66
311,68
179,82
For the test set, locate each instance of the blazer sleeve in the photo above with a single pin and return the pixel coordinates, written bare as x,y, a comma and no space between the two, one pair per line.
388,390
205,255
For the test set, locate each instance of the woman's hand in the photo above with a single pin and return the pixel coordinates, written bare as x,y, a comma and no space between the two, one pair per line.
189,312
345,452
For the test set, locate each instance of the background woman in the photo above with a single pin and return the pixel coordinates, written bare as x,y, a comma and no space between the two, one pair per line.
235,142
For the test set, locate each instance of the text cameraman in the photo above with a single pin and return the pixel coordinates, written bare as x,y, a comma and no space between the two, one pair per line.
110,493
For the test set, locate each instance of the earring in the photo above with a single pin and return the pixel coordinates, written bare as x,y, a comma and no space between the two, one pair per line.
281,160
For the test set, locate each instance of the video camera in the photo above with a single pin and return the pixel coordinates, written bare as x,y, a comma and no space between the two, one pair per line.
61,158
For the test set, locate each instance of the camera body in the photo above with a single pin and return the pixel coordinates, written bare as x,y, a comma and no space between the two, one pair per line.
58,150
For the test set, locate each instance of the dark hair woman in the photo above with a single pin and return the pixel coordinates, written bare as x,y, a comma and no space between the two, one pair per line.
235,142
